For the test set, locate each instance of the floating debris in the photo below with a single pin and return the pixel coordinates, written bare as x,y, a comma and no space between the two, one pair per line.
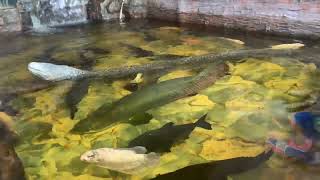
234,40
138,79
74,96
290,46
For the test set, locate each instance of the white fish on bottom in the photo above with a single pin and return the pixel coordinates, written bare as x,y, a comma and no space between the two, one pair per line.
125,160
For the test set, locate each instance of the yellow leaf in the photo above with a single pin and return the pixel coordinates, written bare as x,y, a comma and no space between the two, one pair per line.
176,74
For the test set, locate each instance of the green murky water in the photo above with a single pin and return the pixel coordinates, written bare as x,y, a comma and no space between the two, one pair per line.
243,107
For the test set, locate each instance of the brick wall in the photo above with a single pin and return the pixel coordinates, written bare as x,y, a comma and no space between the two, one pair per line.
289,17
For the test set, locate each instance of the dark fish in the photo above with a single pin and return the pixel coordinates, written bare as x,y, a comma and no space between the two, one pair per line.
75,95
168,57
148,37
10,92
218,170
137,51
132,87
98,51
80,87
11,167
140,118
161,140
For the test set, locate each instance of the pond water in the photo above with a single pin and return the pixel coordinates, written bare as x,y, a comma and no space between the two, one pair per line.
57,122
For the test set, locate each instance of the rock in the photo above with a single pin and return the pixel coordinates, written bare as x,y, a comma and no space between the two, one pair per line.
11,167
94,10
1,21
10,20
114,6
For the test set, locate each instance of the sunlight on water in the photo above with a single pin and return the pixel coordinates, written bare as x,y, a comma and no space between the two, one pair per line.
244,107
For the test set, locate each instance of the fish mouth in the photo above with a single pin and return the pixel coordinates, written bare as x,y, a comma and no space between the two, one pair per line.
83,158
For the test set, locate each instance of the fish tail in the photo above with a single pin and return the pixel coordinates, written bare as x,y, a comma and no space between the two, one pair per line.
73,112
152,159
203,123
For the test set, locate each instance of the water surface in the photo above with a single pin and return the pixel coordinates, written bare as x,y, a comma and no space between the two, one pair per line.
238,106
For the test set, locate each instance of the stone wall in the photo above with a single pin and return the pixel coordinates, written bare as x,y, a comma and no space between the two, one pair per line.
285,17
9,20
288,17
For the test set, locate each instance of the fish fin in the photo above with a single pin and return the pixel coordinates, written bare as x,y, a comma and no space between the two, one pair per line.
202,123
139,149
152,159
167,125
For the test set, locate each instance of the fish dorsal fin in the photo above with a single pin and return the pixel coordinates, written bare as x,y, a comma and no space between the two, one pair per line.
139,149
203,118
167,125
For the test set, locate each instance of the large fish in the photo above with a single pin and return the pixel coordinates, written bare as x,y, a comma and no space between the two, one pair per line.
54,72
161,140
125,160
135,103
218,170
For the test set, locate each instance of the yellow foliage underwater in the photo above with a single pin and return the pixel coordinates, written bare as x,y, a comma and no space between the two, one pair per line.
242,107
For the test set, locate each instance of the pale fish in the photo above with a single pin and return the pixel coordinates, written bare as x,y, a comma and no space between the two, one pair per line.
138,79
125,160
288,46
234,40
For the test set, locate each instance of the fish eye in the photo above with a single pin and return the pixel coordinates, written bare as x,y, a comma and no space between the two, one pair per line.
92,155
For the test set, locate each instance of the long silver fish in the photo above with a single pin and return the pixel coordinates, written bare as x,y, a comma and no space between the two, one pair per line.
54,72
125,160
